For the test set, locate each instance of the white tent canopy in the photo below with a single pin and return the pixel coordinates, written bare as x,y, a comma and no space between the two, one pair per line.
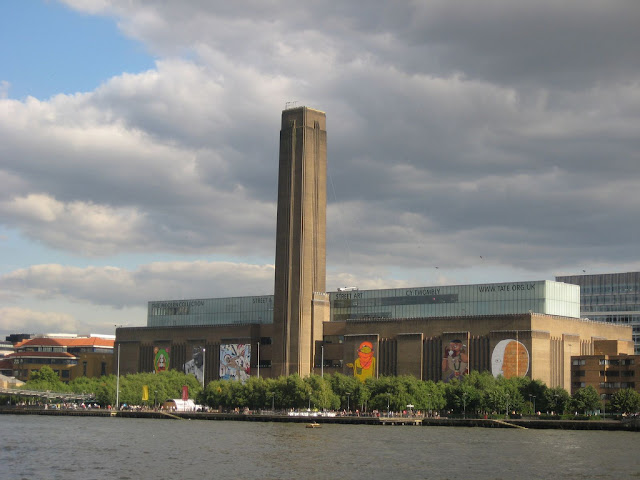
180,405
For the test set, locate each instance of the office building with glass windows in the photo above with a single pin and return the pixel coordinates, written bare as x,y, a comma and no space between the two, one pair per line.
612,367
611,298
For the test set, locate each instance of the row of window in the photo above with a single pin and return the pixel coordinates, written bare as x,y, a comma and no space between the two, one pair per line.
617,362
610,288
333,339
45,361
617,385
617,373
609,299
620,318
183,310
72,350
343,317
618,307
43,349
395,301
237,318
331,363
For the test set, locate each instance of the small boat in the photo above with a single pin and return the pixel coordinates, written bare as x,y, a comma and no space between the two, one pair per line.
313,425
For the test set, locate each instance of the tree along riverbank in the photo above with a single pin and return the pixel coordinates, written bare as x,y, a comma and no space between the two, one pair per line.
632,424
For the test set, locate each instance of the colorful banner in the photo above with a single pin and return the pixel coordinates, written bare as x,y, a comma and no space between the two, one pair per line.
364,366
510,358
455,362
145,393
185,393
235,361
161,359
195,366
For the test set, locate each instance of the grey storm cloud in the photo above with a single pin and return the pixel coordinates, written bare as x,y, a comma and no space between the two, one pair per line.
456,129
158,280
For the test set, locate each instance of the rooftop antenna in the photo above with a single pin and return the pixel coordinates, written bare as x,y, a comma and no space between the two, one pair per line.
289,105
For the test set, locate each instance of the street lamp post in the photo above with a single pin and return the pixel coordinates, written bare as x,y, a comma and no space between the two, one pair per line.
258,359
570,363
388,397
464,404
273,402
348,408
506,413
322,360
204,362
118,381
534,402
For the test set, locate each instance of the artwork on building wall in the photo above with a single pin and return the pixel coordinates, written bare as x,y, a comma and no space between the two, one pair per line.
194,366
235,361
510,358
455,362
365,365
161,359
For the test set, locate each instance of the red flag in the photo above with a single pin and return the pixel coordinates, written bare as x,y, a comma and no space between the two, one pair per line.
185,393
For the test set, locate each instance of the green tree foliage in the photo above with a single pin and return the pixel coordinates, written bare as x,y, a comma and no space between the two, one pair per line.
625,401
46,379
556,400
294,391
514,400
322,396
532,392
476,394
497,399
84,384
161,386
586,400
463,397
343,385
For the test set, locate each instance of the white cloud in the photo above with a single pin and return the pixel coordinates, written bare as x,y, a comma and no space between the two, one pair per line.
79,226
29,321
119,287
497,129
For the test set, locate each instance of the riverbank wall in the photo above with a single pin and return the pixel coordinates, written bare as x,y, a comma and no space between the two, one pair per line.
522,423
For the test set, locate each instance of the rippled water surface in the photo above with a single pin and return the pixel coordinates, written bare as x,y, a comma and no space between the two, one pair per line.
42,447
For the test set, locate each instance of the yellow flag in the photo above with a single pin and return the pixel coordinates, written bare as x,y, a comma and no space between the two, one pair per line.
145,392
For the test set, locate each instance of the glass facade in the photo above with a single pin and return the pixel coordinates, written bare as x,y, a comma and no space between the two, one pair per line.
211,311
610,297
544,296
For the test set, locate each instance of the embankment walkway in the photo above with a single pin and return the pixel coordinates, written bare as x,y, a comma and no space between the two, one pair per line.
522,423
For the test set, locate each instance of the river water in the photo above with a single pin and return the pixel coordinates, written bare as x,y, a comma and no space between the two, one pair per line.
43,447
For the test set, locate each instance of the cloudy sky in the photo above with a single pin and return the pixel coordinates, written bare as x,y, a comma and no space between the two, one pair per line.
469,142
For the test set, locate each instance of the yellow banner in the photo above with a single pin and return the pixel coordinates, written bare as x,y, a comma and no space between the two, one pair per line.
145,392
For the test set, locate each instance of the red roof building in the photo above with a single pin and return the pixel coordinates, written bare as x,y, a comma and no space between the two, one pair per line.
70,357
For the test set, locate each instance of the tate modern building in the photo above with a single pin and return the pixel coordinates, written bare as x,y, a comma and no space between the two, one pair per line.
432,332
